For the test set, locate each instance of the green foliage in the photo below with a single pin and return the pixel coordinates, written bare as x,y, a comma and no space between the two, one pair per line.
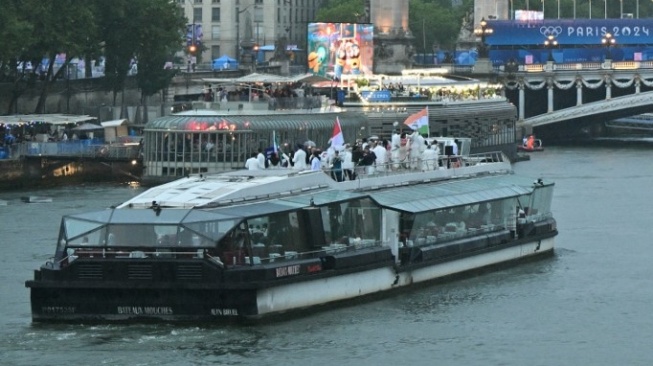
340,11
120,30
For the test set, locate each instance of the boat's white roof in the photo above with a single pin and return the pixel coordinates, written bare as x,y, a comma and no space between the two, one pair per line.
241,185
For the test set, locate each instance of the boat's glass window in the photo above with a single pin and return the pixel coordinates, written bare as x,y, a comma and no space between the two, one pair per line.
76,227
358,220
467,220
93,238
280,232
540,203
212,230
135,235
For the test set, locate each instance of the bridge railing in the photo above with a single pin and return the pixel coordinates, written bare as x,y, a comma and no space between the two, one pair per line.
81,148
580,66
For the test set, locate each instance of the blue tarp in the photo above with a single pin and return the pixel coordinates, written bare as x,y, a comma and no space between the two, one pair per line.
225,63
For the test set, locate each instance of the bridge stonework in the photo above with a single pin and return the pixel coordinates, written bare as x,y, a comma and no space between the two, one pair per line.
580,93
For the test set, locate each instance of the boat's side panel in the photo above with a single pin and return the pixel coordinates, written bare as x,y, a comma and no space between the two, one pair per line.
477,261
325,290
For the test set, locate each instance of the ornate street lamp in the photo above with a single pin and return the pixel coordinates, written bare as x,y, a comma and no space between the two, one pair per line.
608,41
550,43
483,32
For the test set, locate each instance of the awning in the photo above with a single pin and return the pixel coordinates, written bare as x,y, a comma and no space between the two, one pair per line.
55,119
251,78
212,121
87,127
114,123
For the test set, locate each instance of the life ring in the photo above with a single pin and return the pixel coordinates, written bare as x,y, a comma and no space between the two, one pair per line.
104,151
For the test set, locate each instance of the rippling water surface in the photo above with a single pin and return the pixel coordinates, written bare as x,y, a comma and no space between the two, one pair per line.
589,304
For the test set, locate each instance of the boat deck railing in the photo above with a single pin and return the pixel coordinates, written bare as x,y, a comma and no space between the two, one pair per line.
443,162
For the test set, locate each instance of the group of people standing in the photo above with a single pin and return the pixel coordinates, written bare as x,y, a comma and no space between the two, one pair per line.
366,156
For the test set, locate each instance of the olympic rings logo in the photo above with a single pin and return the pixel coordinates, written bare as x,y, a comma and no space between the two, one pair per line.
551,31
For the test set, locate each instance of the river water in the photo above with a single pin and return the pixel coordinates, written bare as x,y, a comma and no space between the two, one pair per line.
589,304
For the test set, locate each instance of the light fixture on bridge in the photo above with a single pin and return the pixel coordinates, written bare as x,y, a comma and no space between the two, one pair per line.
550,43
608,41
483,32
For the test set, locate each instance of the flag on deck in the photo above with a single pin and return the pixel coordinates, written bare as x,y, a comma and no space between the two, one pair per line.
419,121
337,138
275,144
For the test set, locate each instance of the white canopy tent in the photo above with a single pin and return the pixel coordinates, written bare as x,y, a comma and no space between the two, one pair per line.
115,128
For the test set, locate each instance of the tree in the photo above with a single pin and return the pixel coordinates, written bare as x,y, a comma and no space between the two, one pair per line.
160,36
340,11
16,35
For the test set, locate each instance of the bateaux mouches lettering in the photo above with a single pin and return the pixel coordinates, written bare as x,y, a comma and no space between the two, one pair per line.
288,271
144,310
58,309
224,312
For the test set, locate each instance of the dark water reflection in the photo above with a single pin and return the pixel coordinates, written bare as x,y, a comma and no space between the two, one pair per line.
589,304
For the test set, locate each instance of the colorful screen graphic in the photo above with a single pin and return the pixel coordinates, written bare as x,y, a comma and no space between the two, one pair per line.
337,49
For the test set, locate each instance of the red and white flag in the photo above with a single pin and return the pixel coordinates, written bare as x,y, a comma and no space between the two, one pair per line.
337,138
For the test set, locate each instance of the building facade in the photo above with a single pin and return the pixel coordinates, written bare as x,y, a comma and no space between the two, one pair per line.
234,27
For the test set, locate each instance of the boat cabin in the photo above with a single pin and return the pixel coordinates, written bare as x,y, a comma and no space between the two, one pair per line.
409,221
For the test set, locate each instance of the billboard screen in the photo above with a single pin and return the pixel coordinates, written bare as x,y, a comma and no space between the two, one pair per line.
337,49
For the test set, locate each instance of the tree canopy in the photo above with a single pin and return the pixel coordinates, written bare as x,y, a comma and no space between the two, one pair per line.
35,32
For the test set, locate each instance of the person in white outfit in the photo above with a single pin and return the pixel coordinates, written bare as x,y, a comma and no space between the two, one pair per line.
417,147
261,159
380,152
395,145
252,163
430,158
347,163
299,160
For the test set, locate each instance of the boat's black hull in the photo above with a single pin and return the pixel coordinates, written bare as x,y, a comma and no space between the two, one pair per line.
168,291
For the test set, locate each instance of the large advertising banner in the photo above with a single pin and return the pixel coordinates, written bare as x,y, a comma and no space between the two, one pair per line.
337,49
579,40
569,31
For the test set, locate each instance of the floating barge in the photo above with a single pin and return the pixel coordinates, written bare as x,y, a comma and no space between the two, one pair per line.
256,244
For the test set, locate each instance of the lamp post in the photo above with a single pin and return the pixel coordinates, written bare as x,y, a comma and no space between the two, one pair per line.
608,41
483,32
550,42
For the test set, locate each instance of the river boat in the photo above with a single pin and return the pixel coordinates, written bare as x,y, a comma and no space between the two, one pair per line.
249,245
537,146
36,199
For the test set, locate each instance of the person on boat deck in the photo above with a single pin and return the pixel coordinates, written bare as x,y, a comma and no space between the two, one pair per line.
299,159
368,160
336,167
252,163
524,141
316,162
380,152
347,162
260,157
274,162
430,157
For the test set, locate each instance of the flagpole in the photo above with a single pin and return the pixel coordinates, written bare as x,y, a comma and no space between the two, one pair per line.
428,123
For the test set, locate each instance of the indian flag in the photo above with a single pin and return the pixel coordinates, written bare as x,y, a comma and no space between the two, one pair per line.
419,121
337,138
